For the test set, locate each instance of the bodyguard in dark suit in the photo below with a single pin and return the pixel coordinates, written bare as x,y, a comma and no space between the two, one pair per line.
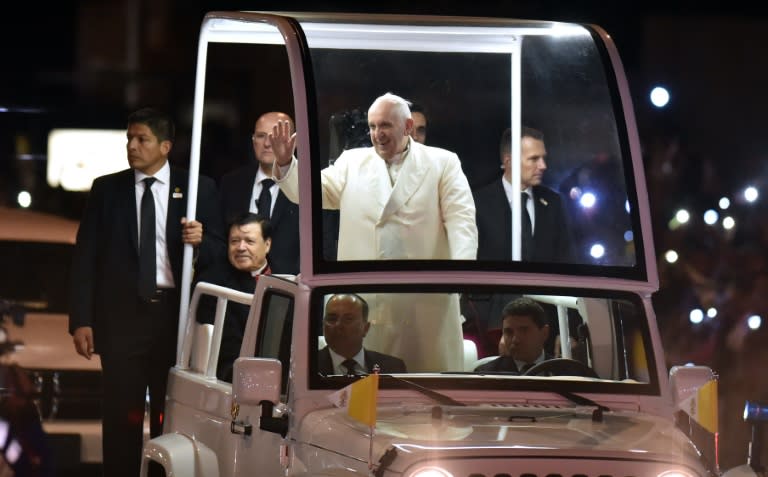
549,225
345,324
243,190
125,277
543,221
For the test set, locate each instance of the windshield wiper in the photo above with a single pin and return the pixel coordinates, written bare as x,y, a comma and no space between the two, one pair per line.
597,414
439,397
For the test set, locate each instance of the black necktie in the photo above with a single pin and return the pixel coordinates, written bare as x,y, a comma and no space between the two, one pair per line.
349,365
264,204
147,253
526,229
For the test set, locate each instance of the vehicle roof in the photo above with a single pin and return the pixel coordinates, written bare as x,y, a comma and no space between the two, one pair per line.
34,226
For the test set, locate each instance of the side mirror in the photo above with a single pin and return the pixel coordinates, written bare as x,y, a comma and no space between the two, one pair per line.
694,391
686,381
255,380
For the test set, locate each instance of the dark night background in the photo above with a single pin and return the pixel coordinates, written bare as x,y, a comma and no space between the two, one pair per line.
89,63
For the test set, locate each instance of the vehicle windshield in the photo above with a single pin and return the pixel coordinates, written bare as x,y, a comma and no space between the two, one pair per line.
492,336
471,82
467,94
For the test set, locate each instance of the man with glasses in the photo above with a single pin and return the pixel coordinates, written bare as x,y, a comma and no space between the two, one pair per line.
251,189
345,324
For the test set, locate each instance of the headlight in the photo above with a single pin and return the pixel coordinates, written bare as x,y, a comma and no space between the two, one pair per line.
675,473
431,472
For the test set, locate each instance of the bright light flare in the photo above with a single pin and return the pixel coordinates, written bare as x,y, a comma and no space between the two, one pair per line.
671,256
754,322
588,200
711,216
724,203
751,194
711,312
597,250
729,223
681,217
24,199
696,316
659,96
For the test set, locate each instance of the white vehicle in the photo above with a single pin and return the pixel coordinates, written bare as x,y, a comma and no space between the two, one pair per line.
608,407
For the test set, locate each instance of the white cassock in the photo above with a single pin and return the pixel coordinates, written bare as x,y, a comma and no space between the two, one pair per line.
428,213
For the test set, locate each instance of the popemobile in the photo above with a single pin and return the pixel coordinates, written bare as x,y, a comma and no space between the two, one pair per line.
605,404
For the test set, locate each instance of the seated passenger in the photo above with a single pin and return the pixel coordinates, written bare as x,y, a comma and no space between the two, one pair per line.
524,332
558,347
345,324
250,238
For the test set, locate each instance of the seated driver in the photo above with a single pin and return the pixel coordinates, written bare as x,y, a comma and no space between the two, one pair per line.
345,324
523,334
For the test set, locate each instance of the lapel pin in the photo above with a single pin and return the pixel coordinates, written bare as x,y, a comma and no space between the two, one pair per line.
543,202
177,193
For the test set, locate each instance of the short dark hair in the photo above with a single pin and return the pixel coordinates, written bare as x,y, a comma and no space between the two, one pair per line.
505,145
250,218
525,306
418,108
355,296
159,122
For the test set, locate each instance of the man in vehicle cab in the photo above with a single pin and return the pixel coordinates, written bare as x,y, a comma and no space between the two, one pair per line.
524,331
345,324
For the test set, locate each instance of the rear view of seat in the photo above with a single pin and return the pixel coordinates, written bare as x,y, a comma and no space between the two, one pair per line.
201,347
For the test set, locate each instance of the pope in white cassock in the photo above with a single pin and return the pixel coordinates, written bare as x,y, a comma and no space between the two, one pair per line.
397,200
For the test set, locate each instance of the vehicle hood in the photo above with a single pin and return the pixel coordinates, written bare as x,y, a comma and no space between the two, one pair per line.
498,430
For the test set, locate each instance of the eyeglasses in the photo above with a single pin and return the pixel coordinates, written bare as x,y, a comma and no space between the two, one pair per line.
259,137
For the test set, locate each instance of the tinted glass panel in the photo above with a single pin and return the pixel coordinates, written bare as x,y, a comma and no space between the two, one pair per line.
483,334
474,83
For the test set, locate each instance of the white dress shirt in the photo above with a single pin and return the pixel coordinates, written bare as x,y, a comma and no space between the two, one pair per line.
528,204
257,191
337,359
160,189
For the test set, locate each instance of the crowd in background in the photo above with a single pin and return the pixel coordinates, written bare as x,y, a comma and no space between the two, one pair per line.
722,272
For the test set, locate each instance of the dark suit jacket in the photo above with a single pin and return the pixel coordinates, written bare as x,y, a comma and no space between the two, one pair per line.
494,225
235,319
387,363
104,285
235,189
503,364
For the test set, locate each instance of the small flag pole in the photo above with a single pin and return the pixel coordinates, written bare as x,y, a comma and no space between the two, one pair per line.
371,429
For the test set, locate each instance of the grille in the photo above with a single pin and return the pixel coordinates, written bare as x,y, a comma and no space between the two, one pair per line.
552,466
